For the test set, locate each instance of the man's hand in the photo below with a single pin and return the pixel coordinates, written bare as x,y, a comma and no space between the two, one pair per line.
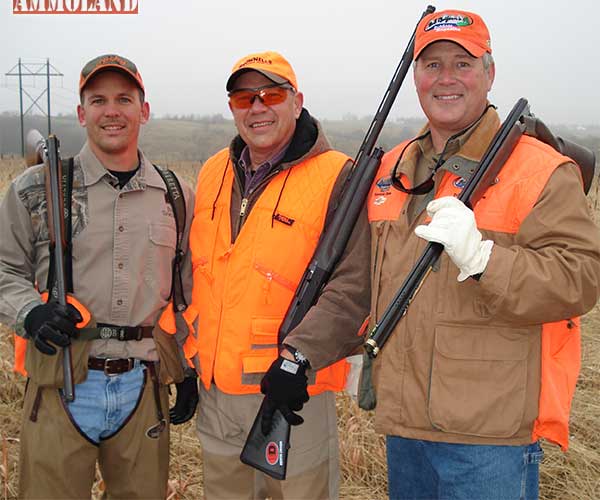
186,400
54,323
285,389
453,225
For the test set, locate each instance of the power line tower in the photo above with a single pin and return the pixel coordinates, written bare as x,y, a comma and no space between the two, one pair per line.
33,69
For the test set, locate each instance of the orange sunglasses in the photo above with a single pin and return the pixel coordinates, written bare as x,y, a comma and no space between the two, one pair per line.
269,95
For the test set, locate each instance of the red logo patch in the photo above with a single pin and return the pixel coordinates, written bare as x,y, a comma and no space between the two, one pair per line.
272,453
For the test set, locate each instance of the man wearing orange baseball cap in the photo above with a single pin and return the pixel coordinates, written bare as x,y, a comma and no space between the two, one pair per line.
122,246
484,362
261,206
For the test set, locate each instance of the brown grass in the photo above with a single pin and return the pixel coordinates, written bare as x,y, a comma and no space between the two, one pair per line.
564,476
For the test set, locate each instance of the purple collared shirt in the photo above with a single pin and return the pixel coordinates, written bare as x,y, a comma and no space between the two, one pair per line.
253,179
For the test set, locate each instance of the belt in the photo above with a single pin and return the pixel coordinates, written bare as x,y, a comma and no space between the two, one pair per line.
113,366
105,331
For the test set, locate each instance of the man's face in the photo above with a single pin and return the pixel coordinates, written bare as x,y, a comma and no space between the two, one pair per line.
112,113
452,86
265,129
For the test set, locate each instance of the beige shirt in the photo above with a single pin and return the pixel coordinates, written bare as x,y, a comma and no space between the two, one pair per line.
123,245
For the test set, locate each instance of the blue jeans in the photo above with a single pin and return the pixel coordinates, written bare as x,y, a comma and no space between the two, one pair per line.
103,403
429,470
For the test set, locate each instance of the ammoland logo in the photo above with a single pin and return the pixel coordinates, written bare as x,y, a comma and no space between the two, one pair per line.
75,6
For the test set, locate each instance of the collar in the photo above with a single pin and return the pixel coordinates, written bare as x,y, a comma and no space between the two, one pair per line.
465,151
308,141
245,162
94,171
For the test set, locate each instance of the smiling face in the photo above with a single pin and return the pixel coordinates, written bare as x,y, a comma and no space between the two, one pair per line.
265,129
452,86
112,112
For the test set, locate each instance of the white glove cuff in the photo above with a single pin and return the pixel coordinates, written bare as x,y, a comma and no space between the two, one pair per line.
479,262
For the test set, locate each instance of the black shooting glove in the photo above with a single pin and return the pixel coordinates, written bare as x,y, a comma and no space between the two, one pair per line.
186,400
285,389
53,323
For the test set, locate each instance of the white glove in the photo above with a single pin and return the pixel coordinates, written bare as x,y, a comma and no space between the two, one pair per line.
453,225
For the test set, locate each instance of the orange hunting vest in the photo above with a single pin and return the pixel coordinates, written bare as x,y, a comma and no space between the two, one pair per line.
502,211
242,290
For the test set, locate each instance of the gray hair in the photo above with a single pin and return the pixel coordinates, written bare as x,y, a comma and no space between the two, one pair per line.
487,60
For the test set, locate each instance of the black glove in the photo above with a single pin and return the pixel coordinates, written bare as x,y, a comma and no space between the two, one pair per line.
186,401
285,387
54,323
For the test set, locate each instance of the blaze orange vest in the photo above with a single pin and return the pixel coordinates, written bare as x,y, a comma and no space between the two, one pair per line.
504,207
242,290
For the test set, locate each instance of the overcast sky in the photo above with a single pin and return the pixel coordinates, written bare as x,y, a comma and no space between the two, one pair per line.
344,52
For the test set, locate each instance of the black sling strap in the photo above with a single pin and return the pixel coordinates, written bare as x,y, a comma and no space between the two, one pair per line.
177,201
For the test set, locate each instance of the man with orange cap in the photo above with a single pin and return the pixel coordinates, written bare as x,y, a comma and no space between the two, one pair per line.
484,363
261,207
123,241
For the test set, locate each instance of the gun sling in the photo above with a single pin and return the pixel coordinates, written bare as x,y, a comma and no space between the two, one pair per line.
105,331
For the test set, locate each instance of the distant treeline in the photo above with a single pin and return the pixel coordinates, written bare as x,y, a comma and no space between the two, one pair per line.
196,138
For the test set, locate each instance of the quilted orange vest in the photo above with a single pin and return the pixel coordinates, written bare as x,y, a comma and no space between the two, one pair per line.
242,290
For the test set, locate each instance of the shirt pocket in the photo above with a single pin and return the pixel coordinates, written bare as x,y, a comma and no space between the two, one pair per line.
478,380
159,258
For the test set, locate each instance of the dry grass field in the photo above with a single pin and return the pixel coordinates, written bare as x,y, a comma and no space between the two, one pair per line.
570,476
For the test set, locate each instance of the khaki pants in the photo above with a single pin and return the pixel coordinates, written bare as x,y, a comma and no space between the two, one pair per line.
313,462
58,461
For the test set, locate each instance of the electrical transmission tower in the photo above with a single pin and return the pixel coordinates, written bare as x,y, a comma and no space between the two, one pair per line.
31,69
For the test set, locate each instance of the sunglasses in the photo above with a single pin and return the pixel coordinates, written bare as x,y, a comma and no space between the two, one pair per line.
269,95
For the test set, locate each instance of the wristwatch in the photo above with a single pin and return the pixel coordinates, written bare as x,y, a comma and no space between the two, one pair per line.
300,358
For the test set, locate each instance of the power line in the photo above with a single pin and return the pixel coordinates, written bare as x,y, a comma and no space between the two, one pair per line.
33,70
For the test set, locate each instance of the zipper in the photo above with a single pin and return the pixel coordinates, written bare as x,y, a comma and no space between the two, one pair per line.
246,204
243,207
272,276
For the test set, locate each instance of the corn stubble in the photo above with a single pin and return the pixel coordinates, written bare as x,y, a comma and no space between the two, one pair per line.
571,476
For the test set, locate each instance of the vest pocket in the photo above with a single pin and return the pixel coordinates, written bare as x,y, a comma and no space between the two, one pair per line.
256,363
263,348
478,380
271,276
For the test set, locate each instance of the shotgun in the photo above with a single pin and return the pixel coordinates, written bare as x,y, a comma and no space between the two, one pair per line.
56,231
269,453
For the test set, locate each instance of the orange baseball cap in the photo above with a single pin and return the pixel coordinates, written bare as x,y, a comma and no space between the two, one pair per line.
270,64
465,28
110,61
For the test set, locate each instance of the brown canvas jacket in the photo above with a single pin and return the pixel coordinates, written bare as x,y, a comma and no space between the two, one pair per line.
484,333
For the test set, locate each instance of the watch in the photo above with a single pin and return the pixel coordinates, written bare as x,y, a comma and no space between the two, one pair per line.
300,358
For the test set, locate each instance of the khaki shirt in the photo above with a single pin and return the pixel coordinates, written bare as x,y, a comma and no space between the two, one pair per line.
123,245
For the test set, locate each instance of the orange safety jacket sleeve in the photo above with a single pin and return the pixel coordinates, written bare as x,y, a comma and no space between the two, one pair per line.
330,329
552,271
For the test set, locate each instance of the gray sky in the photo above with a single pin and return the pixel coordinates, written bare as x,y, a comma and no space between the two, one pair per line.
344,52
